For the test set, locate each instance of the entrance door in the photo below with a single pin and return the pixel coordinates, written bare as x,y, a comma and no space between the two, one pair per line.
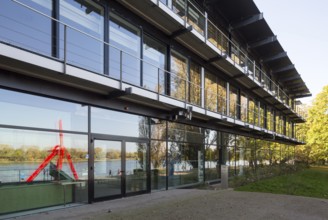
120,168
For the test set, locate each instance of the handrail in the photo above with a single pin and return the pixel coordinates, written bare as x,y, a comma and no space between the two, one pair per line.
237,107
239,54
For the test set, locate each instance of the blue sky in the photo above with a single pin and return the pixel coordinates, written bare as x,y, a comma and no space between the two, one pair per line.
302,29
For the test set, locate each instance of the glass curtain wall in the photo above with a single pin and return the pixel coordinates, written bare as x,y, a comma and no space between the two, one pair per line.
212,163
30,164
158,163
185,154
123,36
82,50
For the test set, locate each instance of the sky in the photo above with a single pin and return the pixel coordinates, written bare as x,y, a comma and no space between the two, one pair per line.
302,29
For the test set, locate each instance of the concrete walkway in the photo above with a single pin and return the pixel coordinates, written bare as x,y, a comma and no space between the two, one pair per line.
197,204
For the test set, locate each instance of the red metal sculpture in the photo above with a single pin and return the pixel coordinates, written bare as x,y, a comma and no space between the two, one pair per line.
61,152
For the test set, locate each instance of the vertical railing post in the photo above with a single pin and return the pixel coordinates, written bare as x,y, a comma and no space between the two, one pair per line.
158,83
186,12
65,48
185,93
206,27
121,69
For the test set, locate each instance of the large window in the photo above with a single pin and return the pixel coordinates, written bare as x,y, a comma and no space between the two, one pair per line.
18,109
83,50
154,56
116,123
211,96
243,107
179,69
124,37
195,84
185,154
222,97
23,151
34,132
25,28
233,94
212,165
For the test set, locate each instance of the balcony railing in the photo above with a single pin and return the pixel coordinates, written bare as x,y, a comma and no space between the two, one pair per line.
216,37
123,67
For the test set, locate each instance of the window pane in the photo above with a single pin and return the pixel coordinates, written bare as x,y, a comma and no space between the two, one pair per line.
185,163
116,123
23,151
186,133
211,90
222,97
82,50
179,69
212,166
195,84
126,38
158,165
243,107
233,101
25,28
154,56
20,109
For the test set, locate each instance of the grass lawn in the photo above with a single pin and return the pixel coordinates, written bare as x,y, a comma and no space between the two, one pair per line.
311,182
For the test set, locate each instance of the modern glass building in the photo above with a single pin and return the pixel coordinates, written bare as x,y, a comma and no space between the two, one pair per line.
110,98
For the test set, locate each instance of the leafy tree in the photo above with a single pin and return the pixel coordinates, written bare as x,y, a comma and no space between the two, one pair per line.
317,133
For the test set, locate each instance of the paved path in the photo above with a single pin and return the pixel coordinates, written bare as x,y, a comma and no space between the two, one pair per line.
197,204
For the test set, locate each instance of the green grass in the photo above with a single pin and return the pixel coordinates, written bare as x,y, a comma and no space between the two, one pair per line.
311,182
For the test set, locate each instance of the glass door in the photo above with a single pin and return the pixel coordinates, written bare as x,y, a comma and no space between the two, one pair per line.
120,168
107,168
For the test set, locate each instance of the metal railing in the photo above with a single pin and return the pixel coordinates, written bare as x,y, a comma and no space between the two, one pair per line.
217,38
127,67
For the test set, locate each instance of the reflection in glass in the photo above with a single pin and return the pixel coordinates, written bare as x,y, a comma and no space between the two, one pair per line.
158,165
243,107
117,123
185,163
21,109
107,168
82,50
212,165
195,84
211,92
136,167
233,94
222,97
154,57
124,37
186,133
23,151
158,129
179,68
25,28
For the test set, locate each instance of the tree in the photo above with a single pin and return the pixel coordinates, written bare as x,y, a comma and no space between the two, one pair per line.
317,121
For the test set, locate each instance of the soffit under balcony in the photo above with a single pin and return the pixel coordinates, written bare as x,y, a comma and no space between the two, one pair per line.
247,22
